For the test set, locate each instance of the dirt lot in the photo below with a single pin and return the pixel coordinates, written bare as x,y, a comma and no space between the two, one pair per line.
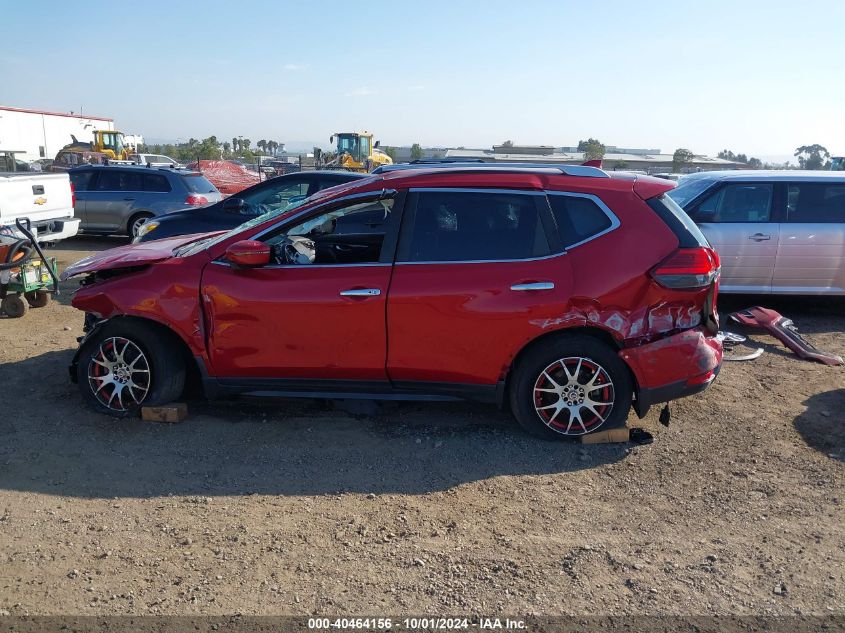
297,507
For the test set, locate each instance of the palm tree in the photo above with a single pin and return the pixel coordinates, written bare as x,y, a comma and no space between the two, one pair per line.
226,147
262,145
245,143
235,145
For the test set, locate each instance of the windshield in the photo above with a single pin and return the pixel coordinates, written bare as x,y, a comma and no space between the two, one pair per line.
688,189
348,143
195,247
113,140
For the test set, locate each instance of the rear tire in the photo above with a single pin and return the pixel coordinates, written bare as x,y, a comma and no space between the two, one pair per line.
38,298
135,222
569,387
129,364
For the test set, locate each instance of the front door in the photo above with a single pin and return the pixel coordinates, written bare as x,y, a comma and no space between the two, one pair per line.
317,312
737,220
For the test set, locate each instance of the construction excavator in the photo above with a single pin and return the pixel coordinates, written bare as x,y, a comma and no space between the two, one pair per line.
108,142
355,151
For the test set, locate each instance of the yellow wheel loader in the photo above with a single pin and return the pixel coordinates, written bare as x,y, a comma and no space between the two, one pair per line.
355,151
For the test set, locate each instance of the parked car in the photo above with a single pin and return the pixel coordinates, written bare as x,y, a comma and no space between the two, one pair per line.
780,232
158,160
564,292
270,195
45,199
120,198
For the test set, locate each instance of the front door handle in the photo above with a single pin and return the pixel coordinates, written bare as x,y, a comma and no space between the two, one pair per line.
360,292
759,237
129,199
537,285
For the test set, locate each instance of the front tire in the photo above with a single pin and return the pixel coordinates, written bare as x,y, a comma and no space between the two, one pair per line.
135,223
129,364
570,387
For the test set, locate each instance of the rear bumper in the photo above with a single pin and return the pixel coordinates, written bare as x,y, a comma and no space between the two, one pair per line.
675,367
56,230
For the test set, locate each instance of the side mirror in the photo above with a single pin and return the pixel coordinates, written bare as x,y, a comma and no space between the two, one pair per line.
378,143
234,205
248,254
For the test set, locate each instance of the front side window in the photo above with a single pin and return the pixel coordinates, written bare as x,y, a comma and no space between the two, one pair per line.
740,202
578,218
353,234
815,202
456,226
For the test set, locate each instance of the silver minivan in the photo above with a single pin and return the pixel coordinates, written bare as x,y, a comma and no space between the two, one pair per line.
779,232
120,198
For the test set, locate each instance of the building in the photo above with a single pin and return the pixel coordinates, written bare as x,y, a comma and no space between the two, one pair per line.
38,134
649,161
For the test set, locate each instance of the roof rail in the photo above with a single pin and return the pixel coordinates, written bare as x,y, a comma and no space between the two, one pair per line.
582,171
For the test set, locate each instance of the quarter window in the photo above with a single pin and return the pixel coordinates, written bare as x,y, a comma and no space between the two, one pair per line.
118,180
815,203
578,218
741,202
456,226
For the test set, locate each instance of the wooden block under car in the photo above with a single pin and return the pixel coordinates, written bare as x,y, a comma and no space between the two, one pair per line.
611,436
174,412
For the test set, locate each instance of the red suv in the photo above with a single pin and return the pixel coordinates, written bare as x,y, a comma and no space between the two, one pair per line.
565,292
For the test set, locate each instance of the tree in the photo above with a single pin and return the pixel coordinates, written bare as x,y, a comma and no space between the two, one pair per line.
593,149
227,146
245,143
416,152
262,145
271,146
391,151
755,163
620,164
812,156
507,144
680,158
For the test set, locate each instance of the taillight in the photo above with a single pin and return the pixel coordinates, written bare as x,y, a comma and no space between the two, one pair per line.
688,268
195,200
72,195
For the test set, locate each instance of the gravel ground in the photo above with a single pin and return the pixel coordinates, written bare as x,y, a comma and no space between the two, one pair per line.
297,507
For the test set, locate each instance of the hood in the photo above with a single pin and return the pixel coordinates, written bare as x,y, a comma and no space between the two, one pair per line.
131,255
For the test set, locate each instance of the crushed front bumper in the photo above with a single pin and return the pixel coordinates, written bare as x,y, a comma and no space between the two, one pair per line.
674,367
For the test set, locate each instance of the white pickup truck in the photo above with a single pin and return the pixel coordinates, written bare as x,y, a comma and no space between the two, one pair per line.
45,198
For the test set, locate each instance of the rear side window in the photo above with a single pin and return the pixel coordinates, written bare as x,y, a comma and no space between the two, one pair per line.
578,218
197,183
81,179
815,202
119,180
673,216
456,226
156,182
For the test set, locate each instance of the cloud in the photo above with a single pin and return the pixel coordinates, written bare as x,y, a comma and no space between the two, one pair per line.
295,67
363,91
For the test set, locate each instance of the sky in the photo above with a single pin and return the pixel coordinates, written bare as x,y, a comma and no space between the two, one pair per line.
759,78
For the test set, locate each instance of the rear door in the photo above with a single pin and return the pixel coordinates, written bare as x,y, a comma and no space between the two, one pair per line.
738,220
811,251
474,269
110,203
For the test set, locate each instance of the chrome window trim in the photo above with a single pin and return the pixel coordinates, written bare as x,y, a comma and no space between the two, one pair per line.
614,220
220,262
485,261
374,194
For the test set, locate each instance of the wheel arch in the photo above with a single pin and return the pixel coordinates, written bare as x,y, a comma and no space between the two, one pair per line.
136,213
597,333
194,371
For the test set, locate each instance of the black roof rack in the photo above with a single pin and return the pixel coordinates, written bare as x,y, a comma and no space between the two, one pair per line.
584,171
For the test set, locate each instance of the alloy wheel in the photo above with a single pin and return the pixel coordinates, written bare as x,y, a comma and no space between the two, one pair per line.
574,395
119,374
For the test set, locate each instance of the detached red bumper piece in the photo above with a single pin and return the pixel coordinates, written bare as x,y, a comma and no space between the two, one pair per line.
674,367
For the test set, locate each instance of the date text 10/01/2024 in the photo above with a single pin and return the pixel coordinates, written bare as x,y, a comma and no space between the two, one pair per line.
416,623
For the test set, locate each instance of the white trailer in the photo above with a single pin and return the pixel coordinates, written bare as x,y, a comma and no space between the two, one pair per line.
38,134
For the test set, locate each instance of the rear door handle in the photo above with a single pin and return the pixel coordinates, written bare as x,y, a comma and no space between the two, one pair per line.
360,292
759,237
537,285
129,199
